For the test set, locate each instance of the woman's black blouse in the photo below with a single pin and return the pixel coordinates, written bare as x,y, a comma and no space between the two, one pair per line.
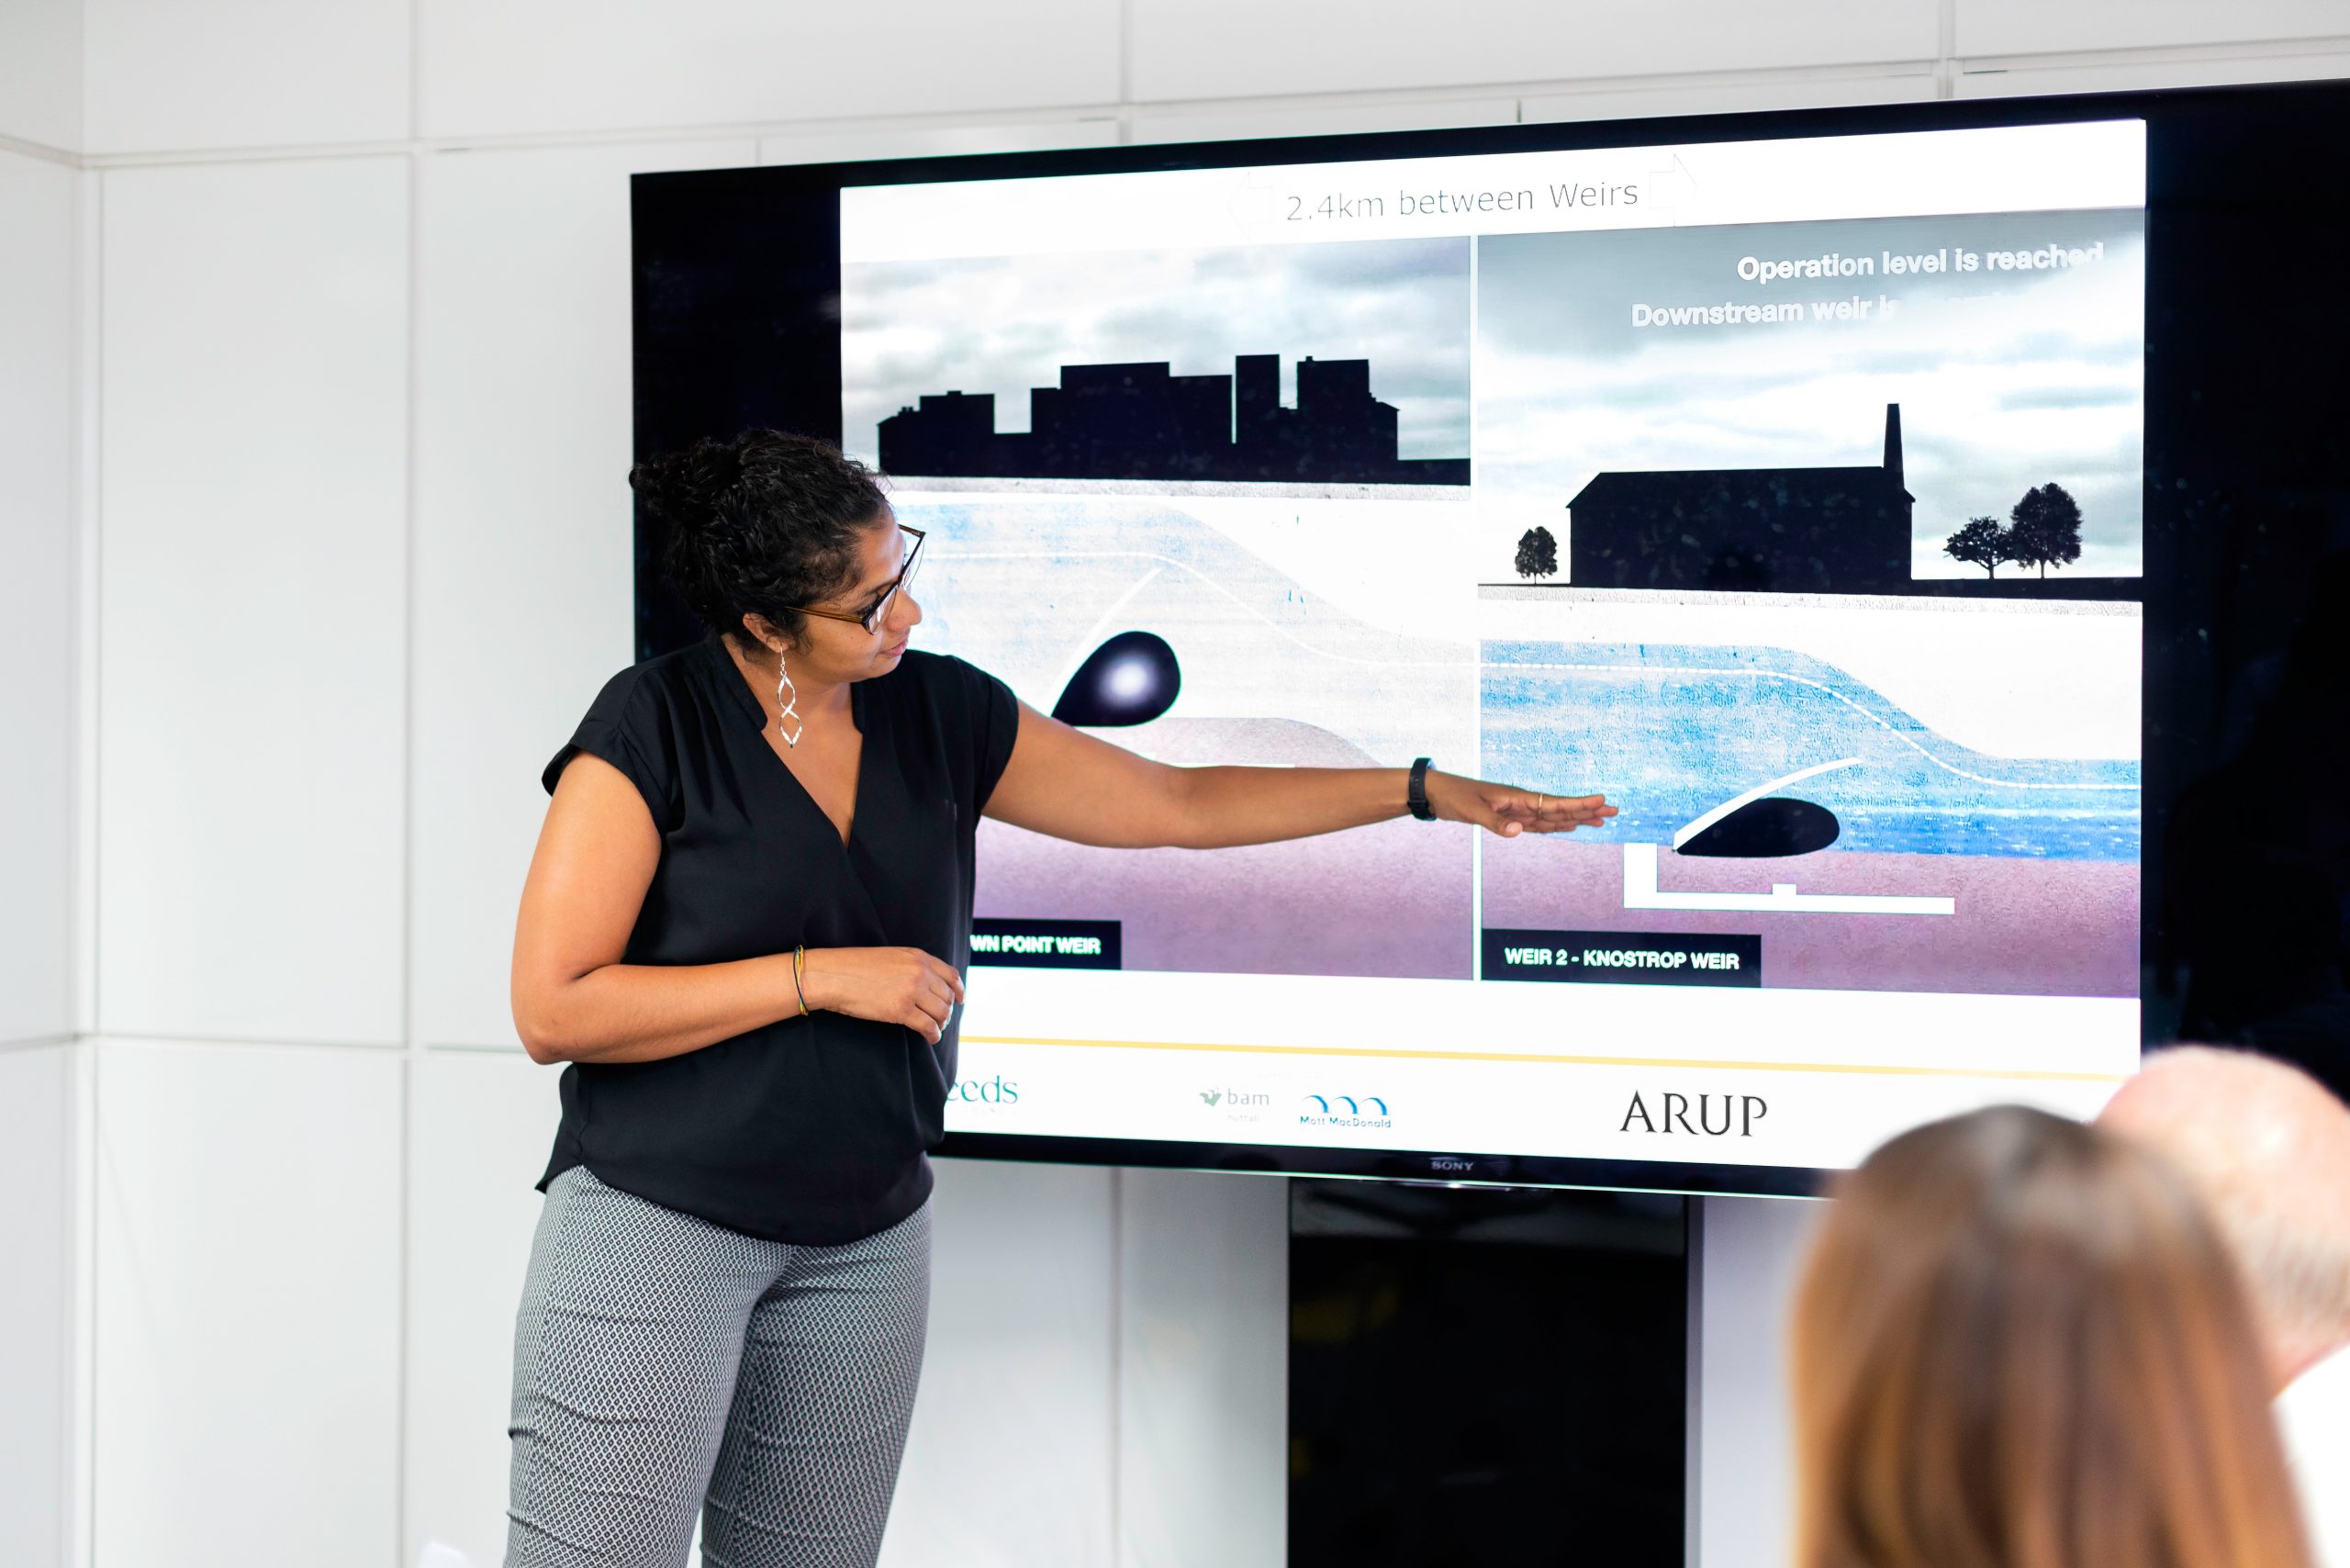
811,1130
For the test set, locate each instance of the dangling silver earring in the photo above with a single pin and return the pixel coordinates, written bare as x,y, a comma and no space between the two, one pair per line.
787,699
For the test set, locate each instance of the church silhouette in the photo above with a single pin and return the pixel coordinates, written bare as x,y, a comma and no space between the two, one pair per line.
1756,529
1139,422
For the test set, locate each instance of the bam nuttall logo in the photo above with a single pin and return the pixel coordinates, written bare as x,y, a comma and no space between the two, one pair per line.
1211,1095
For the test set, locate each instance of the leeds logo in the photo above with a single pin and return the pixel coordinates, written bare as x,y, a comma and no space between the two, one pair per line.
996,1090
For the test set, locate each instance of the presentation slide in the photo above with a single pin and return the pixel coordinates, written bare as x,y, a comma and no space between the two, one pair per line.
1787,492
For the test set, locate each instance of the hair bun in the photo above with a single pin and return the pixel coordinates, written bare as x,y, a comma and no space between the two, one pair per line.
681,489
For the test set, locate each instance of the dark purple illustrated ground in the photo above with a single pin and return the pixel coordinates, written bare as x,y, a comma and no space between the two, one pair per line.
1392,899
2022,927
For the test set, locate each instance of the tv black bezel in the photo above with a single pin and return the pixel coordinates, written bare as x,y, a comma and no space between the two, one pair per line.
801,331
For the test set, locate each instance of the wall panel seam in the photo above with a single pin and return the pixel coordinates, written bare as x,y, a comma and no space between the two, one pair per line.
92,644
1946,42
68,1305
253,1042
1125,110
403,1352
25,148
415,68
2233,50
635,136
85,1358
1548,87
89,431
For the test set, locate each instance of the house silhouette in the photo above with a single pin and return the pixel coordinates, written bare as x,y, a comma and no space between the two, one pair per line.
1757,530
1138,420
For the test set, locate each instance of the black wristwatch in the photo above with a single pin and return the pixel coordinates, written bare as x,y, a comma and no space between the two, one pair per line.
1417,793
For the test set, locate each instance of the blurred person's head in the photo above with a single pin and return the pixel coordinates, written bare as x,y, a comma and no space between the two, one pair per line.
2268,1147
2019,1343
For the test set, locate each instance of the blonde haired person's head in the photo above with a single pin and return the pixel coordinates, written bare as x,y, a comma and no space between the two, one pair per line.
2269,1149
2019,1343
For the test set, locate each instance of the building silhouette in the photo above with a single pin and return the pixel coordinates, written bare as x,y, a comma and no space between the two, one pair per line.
1139,422
1757,530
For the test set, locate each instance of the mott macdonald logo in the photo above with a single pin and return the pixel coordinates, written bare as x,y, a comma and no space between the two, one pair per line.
1367,1111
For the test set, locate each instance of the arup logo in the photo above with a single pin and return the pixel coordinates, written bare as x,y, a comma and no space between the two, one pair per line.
1211,1095
1344,1111
1739,1112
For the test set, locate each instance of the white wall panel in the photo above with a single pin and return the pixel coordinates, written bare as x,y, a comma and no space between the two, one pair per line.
38,626
523,564
931,141
1333,119
252,637
248,1305
37,1303
551,65
2135,75
1730,97
1202,1370
167,75
483,1122
1009,1463
41,72
1220,48
2034,27
1750,1252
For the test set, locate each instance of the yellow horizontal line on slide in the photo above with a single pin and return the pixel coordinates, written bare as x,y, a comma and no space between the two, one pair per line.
1887,1072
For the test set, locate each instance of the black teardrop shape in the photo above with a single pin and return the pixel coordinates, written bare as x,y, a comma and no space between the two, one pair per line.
1767,830
1130,679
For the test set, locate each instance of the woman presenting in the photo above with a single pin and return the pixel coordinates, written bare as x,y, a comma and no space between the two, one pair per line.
744,928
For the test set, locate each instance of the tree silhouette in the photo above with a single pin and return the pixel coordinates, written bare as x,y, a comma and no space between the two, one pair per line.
2046,528
1981,543
1538,553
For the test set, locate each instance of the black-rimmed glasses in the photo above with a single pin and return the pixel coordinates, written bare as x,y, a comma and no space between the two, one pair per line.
872,615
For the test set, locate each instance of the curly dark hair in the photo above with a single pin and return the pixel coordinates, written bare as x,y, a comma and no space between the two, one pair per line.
758,525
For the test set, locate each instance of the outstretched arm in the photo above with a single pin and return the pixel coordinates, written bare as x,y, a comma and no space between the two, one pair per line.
1071,785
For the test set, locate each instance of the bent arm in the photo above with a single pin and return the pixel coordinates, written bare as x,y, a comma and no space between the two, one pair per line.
573,998
1071,785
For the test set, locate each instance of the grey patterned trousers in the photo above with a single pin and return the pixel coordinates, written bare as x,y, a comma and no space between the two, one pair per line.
664,1364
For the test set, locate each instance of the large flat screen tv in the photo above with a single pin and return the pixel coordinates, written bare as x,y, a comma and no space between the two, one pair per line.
1905,514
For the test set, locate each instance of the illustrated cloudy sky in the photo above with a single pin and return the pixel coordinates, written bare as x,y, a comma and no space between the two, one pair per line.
1005,324
2006,380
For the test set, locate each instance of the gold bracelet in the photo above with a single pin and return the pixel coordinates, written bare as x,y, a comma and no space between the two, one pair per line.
798,964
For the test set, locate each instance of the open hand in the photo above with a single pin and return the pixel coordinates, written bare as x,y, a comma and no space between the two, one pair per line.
889,985
1506,810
